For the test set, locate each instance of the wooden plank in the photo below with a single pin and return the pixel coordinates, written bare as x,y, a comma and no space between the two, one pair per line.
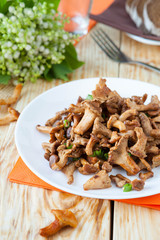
134,222
23,209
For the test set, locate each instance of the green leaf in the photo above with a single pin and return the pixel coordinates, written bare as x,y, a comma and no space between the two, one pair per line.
61,70
28,3
48,74
55,2
127,187
67,66
4,79
4,5
71,57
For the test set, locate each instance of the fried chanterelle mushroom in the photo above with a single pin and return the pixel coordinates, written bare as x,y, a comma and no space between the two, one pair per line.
62,218
101,132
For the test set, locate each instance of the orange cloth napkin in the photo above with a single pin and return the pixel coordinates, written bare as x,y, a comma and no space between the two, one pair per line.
23,175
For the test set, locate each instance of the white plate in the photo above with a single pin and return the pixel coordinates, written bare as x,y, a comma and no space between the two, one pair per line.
144,40
29,140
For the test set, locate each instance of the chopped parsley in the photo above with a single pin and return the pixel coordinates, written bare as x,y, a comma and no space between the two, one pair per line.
89,97
66,123
127,187
100,154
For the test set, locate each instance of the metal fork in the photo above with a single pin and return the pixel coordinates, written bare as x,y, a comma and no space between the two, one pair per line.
113,52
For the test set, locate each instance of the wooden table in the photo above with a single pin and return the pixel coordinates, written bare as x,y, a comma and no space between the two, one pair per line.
24,209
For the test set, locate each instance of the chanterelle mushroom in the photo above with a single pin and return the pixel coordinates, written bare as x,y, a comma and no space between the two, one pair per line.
118,181
62,218
114,122
119,155
145,176
98,181
99,128
92,110
156,161
87,168
102,91
153,105
89,148
137,185
146,124
139,148
68,171
63,158
128,113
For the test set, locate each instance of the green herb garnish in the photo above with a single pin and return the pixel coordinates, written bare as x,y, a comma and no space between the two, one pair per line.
70,146
89,97
104,116
129,154
100,154
127,187
106,156
66,123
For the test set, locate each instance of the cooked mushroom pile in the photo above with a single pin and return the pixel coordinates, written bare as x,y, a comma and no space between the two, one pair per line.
101,132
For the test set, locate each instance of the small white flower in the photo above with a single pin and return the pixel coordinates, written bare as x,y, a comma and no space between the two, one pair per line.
25,70
14,30
9,57
13,18
26,64
28,47
45,25
14,47
9,30
11,9
21,35
39,38
1,15
29,12
6,55
46,51
16,55
41,49
34,8
15,82
9,44
22,5
42,68
65,37
45,38
53,11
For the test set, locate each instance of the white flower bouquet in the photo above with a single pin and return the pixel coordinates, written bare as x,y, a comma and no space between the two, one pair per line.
33,42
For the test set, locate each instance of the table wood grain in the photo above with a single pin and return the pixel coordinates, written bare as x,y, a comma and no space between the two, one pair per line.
25,209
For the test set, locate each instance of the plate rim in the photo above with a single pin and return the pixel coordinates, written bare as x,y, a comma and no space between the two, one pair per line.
143,40
86,193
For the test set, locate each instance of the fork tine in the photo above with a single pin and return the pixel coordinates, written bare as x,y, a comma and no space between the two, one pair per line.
102,46
123,57
114,50
110,40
